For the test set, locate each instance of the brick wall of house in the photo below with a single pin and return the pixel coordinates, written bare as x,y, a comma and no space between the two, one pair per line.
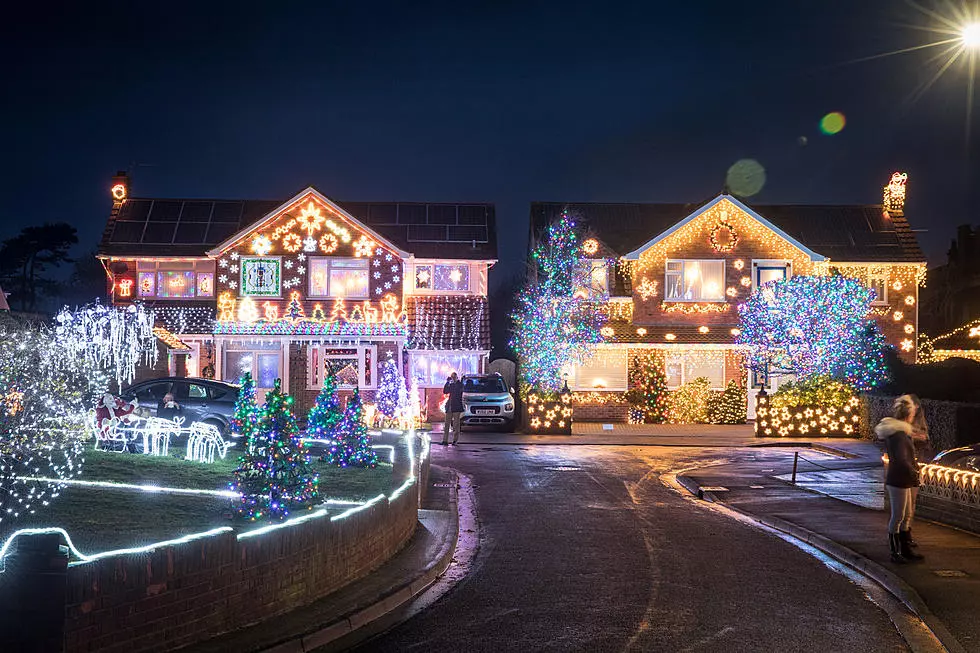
178,595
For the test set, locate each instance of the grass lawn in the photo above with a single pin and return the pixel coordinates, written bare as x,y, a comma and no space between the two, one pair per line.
100,519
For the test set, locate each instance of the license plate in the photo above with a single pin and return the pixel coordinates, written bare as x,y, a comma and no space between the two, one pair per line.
483,412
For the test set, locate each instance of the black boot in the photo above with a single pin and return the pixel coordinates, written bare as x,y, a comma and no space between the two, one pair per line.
907,552
912,542
895,544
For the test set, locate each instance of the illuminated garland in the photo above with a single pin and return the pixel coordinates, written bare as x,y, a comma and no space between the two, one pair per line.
689,308
552,327
310,328
274,476
719,246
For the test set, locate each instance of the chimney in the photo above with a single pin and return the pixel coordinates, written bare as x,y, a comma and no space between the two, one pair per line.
120,187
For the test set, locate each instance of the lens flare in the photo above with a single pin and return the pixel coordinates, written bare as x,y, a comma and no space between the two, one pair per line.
746,177
832,123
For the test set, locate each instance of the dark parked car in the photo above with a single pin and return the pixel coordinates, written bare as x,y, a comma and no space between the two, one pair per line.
200,400
966,458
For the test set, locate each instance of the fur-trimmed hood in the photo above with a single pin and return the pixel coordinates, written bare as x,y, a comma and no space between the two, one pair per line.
889,426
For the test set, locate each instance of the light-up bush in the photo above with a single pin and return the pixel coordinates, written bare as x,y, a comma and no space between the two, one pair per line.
728,406
820,406
689,403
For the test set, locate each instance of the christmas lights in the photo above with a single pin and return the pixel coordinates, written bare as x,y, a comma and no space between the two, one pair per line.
590,246
689,403
894,193
552,327
274,475
548,413
204,442
818,406
648,387
812,326
723,237
351,448
689,308
729,406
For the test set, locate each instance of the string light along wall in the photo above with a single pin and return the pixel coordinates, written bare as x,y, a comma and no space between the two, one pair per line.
449,323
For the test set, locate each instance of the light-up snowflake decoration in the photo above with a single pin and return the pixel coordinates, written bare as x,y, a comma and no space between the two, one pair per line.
364,246
311,219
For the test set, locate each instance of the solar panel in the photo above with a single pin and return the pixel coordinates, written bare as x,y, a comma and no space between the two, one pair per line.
135,210
191,232
226,212
468,234
127,232
442,214
165,211
159,232
196,212
411,214
218,231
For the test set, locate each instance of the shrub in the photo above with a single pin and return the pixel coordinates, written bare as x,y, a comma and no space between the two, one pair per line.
689,403
728,406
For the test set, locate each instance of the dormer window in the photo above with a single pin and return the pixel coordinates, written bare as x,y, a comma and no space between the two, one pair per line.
695,281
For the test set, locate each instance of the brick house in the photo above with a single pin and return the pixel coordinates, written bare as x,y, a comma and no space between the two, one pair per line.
674,275
285,288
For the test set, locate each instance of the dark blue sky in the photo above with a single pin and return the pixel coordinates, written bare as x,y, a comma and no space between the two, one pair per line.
477,101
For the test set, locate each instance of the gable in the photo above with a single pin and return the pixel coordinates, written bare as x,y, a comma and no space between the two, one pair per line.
724,214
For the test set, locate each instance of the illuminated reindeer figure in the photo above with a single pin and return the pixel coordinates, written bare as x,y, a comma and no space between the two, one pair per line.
204,442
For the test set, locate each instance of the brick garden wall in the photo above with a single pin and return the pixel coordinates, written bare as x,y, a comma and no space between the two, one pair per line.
948,511
186,593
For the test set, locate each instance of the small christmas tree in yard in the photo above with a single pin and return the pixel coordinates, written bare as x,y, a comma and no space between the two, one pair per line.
351,447
728,406
648,388
274,475
326,412
689,403
246,416
391,391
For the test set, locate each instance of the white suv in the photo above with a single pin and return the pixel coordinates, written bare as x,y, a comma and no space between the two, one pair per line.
487,401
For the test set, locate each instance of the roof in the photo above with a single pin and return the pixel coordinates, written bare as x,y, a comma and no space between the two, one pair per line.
190,227
843,233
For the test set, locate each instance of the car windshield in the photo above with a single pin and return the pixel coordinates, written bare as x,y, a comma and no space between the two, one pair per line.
484,384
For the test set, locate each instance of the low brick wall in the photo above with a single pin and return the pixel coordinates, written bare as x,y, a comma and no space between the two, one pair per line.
600,412
185,593
950,496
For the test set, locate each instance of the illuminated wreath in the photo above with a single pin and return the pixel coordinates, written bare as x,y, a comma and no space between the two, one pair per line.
291,242
732,238
328,243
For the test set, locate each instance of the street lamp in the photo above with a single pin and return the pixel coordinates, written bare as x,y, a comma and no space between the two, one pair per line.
971,36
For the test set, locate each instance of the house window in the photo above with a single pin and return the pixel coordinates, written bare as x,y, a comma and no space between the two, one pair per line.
346,278
352,366
260,277
452,278
147,284
766,271
176,284
431,369
604,370
205,284
695,281
264,366
684,367
592,279
879,284
423,277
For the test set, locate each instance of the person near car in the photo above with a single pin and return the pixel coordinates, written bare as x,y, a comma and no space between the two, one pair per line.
454,408
168,408
902,475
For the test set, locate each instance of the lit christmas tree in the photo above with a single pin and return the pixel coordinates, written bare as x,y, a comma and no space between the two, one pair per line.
391,397
326,412
689,403
245,419
728,406
813,326
294,310
274,475
648,387
555,323
351,447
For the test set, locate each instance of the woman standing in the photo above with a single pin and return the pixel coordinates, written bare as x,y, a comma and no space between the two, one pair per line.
922,448
901,477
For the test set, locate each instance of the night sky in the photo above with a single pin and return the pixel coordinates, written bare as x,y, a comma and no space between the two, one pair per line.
505,102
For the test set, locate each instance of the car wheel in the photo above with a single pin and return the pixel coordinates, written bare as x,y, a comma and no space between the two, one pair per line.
218,424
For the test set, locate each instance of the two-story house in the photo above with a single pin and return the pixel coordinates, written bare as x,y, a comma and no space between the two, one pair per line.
674,275
283,289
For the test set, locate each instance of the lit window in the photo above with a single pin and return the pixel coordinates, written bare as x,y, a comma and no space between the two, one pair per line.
260,277
693,281
592,279
879,284
452,277
431,369
205,284
423,277
174,283
684,368
605,369
351,366
339,277
765,271
147,284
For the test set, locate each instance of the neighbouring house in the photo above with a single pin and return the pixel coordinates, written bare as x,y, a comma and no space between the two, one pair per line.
283,289
674,274
951,300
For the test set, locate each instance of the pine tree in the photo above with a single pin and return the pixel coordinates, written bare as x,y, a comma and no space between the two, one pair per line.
274,475
351,447
327,412
648,388
391,390
246,416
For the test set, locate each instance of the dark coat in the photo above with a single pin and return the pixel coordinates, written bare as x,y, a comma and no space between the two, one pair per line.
903,468
455,391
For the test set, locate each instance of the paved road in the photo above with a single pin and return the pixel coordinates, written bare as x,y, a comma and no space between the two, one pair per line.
585,549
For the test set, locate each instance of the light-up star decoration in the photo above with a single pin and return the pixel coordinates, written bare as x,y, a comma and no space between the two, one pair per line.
455,276
311,219
261,245
423,277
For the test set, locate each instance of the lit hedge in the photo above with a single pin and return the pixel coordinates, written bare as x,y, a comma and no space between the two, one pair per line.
818,406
